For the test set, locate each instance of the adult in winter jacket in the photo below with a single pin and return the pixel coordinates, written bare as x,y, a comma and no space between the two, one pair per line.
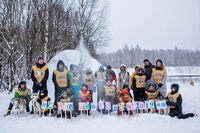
175,103
88,79
139,82
109,94
124,77
159,75
111,74
39,75
152,91
60,79
148,68
100,80
75,81
134,73
21,92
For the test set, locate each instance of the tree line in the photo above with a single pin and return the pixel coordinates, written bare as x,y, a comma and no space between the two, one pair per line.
31,28
132,56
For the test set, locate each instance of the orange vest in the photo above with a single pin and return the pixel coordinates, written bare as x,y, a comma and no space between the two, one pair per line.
39,73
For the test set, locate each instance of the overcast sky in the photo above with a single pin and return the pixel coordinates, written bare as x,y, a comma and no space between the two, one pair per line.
155,24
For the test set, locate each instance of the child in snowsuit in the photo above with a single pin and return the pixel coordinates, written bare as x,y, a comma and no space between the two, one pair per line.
139,85
175,103
43,96
21,92
60,79
84,94
67,97
125,98
109,94
88,79
152,91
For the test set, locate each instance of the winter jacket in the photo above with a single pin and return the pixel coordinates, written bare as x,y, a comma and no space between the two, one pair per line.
112,76
123,78
148,70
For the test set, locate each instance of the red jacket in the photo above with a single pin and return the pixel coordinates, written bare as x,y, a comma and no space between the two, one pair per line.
84,97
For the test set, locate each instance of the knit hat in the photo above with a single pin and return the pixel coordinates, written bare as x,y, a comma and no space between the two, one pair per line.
146,60
159,60
175,86
40,58
109,67
63,93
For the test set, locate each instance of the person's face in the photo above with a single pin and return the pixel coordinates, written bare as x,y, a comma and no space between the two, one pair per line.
23,85
108,70
158,64
42,94
126,96
146,63
173,89
64,95
151,88
60,66
123,68
84,88
75,68
41,61
108,83
140,72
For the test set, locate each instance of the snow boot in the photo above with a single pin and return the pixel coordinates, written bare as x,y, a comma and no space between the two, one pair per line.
8,113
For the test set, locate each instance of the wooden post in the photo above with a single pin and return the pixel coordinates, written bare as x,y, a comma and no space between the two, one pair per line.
43,112
61,113
71,115
122,114
133,113
65,114
101,113
87,115
129,114
49,112
81,114
93,114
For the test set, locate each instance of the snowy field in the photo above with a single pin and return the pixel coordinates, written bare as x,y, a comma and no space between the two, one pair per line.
107,124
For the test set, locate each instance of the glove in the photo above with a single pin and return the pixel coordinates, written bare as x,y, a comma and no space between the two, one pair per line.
37,84
160,84
168,103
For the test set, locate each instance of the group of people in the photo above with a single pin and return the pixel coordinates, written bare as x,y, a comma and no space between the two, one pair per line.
75,85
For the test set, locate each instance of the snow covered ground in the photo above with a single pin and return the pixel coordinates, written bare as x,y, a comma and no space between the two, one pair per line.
112,124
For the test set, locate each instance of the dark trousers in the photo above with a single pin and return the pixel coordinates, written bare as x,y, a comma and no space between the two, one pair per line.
139,94
178,112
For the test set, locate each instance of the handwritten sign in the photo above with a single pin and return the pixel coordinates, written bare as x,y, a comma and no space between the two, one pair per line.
44,104
137,105
93,107
70,106
151,103
133,106
121,106
108,105
115,108
158,104
87,106
146,105
65,106
101,105
163,105
60,105
141,105
129,106
81,106
50,105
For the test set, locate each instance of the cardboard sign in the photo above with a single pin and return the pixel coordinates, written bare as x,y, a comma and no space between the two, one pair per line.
137,105
147,105
158,104
50,105
163,105
115,108
93,107
44,104
65,106
87,106
129,106
133,106
81,106
60,105
108,105
141,105
121,106
151,103
101,105
70,106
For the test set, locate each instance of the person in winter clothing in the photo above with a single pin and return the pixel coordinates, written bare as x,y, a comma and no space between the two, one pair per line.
175,103
60,79
75,81
148,68
134,73
139,82
159,75
39,75
152,91
109,94
127,88
124,77
66,96
125,98
43,96
88,79
21,92
100,80
111,74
